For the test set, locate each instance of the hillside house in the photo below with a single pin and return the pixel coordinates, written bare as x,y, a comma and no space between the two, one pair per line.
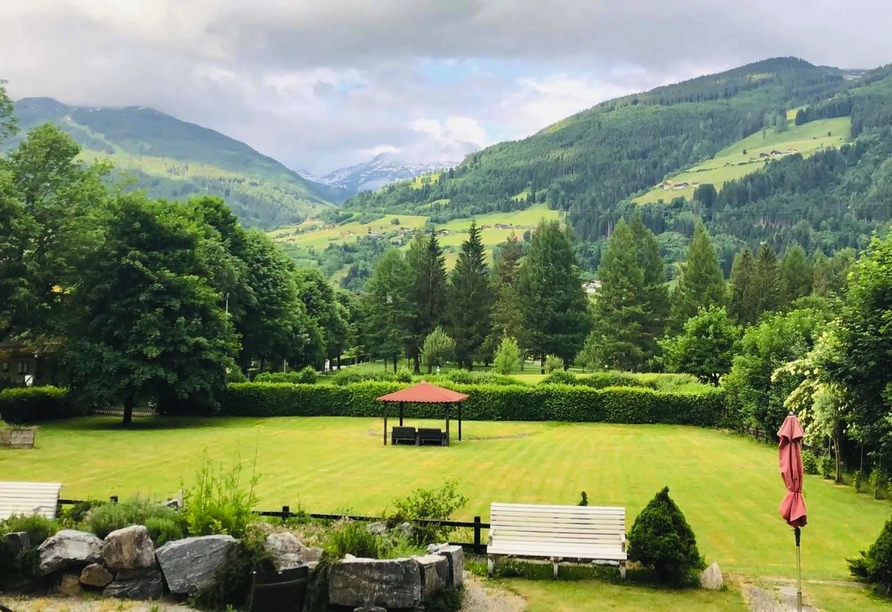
18,363
592,287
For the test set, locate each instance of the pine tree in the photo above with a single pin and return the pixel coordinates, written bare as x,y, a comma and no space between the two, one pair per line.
744,306
427,293
470,298
621,315
656,294
507,319
700,284
386,308
796,276
765,281
552,299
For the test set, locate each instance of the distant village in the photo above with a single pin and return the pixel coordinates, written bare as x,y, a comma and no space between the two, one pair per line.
670,185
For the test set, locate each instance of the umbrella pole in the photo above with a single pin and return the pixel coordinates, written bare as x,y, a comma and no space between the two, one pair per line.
798,533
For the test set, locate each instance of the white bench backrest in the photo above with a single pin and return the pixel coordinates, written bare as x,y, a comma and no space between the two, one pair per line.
29,498
597,526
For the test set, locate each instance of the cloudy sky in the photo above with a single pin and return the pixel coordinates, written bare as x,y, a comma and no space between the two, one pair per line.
321,84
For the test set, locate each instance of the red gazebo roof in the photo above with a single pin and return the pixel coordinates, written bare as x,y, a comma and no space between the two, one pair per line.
424,393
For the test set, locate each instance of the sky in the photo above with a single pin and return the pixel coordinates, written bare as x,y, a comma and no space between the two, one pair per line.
323,84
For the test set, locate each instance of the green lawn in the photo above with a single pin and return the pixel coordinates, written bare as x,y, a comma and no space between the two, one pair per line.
728,486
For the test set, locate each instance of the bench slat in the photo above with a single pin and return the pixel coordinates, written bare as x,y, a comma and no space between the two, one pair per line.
28,498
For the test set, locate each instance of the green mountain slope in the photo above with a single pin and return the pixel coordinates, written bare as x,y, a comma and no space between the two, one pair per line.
594,164
174,159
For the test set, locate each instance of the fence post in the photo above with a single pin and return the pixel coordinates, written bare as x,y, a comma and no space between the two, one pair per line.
286,512
113,499
477,534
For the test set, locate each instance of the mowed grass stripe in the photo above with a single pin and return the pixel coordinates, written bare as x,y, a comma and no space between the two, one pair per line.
728,487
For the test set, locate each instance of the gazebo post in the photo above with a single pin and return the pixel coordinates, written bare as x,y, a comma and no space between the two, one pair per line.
401,414
459,421
447,424
385,422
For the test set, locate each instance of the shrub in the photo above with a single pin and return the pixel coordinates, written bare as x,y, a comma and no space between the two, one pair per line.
507,358
220,502
39,528
103,519
350,377
858,482
35,404
429,505
559,377
438,348
353,538
877,482
584,500
163,530
403,376
875,566
828,467
235,375
307,376
72,516
809,462
464,377
602,380
486,402
662,540
553,363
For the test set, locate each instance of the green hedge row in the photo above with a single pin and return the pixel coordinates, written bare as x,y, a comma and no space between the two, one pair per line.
35,404
485,403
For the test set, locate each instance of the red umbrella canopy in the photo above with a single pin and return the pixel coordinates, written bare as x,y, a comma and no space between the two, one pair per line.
790,454
424,393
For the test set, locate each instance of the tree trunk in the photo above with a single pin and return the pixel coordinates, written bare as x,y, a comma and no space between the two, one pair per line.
396,363
128,410
836,454
542,364
339,361
416,362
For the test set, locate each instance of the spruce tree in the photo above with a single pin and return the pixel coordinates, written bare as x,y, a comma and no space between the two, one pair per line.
507,318
470,299
427,292
766,288
744,306
796,276
386,308
656,294
621,315
552,299
700,283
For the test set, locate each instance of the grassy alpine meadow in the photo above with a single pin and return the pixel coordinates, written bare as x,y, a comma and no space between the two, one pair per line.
728,487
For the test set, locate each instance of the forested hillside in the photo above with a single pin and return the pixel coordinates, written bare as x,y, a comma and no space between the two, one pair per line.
173,159
592,164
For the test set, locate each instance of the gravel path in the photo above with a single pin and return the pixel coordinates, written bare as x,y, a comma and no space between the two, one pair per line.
71,604
480,597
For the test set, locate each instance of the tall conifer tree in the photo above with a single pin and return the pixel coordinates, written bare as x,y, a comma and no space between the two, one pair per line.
700,284
470,298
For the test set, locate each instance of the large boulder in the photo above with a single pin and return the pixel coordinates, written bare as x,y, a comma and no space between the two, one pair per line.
95,575
69,548
136,584
129,548
391,583
456,557
189,565
285,550
17,541
434,574
711,578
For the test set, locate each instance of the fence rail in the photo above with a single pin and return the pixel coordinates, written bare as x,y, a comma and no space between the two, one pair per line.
477,546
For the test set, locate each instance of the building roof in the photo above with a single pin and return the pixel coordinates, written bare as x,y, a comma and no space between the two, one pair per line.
424,393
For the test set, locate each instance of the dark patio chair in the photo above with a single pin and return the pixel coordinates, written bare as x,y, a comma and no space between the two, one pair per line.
4,608
431,436
283,591
403,435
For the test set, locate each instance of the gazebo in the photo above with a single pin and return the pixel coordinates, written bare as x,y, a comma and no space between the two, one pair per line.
424,393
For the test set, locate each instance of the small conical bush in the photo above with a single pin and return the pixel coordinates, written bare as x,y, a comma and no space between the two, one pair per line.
662,540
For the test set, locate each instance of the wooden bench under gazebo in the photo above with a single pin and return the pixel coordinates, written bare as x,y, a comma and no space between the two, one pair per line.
422,393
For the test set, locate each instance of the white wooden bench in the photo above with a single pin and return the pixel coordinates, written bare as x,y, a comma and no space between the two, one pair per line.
29,498
558,533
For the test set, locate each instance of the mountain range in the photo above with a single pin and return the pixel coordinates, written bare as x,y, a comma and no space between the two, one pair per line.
174,159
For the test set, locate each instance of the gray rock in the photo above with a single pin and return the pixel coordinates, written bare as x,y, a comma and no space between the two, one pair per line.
68,548
312,556
70,586
456,557
285,550
434,574
392,583
189,565
711,578
379,528
96,575
405,529
371,609
136,584
17,541
130,548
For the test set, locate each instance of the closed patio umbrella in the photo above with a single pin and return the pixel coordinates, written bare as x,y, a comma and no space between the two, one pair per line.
793,506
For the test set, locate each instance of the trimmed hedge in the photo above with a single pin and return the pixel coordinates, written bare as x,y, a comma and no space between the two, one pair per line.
563,403
307,376
35,404
598,380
